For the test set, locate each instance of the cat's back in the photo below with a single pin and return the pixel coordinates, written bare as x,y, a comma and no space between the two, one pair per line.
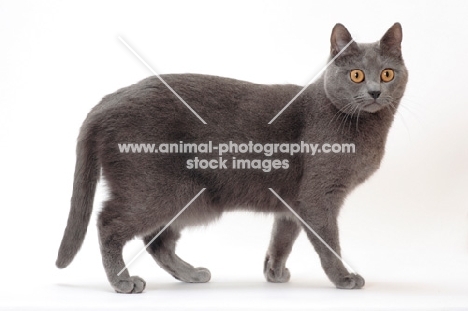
221,102
195,89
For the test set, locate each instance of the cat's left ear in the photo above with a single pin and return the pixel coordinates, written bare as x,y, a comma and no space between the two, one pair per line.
391,41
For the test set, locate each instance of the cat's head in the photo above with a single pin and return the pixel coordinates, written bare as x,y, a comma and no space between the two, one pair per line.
365,77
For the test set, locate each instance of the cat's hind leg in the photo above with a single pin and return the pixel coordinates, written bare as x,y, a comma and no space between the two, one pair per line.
162,249
285,232
114,231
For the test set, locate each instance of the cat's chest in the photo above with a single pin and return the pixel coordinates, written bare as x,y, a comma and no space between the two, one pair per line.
358,151
366,162
346,162
365,158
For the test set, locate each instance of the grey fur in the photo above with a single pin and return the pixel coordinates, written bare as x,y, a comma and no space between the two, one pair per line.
147,190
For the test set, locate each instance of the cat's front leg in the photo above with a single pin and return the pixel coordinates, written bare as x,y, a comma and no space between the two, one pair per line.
323,220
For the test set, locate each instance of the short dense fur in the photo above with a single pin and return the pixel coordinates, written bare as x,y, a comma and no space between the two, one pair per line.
148,190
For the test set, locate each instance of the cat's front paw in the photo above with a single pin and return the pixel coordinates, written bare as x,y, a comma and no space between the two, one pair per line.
278,274
131,285
352,281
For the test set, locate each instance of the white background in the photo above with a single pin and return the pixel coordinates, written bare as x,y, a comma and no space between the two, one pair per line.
405,230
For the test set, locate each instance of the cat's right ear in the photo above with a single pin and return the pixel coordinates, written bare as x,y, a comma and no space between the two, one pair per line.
340,38
391,41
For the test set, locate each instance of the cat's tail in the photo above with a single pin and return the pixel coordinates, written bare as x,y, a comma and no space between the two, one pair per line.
86,177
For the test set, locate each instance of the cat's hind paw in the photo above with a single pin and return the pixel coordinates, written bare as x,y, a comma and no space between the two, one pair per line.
352,281
197,275
131,285
200,275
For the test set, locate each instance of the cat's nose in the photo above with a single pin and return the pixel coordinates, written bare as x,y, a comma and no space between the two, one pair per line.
374,94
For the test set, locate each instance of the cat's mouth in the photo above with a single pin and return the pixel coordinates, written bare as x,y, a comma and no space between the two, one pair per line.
372,107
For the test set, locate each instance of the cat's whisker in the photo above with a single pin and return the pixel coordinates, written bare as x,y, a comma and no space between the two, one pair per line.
395,110
410,108
349,115
414,98
357,108
343,113
347,109
337,114
357,119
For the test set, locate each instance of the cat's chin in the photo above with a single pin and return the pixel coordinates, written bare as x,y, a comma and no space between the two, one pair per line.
372,107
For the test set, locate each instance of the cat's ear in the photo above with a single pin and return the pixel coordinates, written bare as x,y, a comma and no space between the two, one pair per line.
340,38
391,41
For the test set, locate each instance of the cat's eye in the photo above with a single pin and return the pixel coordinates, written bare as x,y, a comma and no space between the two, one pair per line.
357,75
387,75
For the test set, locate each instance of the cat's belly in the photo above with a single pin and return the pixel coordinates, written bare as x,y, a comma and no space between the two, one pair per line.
205,218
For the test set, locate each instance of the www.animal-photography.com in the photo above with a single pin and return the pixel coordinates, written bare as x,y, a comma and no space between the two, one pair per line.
234,155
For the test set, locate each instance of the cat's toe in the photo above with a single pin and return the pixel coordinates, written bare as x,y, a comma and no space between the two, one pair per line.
352,281
131,285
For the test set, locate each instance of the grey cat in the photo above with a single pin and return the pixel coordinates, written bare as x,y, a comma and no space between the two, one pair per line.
354,101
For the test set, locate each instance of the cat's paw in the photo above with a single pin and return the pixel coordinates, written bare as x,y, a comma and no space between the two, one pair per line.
200,275
276,274
131,285
352,281
197,275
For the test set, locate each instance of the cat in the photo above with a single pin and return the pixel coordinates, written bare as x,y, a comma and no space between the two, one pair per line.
353,101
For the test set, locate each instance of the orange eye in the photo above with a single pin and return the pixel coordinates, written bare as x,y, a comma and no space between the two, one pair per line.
357,75
387,75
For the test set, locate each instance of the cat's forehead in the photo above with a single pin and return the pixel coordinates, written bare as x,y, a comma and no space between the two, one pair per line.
370,56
